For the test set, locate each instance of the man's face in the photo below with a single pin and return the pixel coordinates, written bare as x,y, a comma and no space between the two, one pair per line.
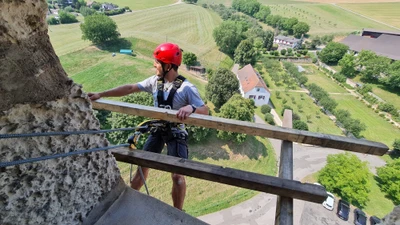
158,66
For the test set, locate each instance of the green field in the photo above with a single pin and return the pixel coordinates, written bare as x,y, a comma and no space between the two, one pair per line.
387,12
326,18
319,78
205,197
142,4
191,30
320,125
378,129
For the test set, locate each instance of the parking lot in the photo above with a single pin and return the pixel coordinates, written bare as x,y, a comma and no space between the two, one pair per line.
316,214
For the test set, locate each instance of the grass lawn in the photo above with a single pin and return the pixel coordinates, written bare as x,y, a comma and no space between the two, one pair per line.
378,204
387,12
378,129
326,18
191,30
142,4
203,197
321,125
319,78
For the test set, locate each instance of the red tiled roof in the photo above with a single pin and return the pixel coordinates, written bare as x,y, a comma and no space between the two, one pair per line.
250,79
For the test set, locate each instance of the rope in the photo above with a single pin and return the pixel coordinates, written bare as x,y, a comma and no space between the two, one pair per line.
31,160
25,135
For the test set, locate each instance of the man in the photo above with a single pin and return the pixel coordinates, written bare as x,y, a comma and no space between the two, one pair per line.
172,91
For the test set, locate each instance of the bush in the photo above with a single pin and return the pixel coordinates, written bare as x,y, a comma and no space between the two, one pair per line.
283,52
86,11
68,9
52,21
66,17
265,109
114,12
300,125
396,145
204,5
286,107
269,118
96,6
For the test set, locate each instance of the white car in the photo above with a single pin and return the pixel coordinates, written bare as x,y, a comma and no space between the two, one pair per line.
329,202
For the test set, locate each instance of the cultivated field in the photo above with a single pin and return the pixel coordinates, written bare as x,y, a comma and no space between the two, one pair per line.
378,129
303,105
142,4
385,12
326,18
349,1
317,77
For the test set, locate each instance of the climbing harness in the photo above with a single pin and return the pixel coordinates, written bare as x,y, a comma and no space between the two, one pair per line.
160,93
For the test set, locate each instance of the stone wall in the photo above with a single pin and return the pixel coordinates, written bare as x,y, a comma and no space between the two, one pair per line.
37,96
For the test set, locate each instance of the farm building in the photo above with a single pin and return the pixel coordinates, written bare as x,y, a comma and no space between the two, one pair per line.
252,86
383,43
287,41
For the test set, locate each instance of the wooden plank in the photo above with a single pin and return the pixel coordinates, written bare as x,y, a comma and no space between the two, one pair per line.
282,133
238,178
284,205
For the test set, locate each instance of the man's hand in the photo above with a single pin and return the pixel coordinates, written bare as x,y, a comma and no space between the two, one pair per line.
184,112
94,96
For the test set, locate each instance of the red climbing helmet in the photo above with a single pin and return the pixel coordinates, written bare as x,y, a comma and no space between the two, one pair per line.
168,53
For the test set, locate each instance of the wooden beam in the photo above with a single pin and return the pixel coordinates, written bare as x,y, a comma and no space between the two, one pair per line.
282,133
238,178
284,205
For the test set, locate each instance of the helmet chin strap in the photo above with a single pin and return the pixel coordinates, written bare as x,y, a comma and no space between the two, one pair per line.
164,72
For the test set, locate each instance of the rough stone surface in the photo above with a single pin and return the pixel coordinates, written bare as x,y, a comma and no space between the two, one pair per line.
30,71
58,191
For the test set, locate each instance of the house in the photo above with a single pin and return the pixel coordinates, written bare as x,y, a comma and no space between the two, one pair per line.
252,85
287,41
108,6
383,43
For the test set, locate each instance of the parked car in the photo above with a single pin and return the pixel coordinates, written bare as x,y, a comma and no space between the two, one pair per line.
374,220
359,217
329,202
343,210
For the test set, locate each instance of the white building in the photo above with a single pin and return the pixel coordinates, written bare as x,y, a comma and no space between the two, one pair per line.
287,41
252,85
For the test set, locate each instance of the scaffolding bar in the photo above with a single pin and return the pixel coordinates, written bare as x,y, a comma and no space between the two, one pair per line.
282,133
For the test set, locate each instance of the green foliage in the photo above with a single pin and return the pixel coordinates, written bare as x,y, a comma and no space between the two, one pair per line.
66,17
347,176
387,107
52,21
265,109
396,145
237,108
284,108
245,53
340,77
364,89
353,126
257,34
283,52
114,12
322,97
86,11
221,87
189,58
96,5
269,118
390,180
197,134
119,120
263,13
68,9
99,28
300,125
191,1
348,65
300,29
333,52
228,36
249,7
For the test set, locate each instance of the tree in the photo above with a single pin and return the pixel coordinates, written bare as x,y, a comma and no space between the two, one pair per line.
333,52
263,13
348,65
390,180
393,79
290,23
228,35
348,176
99,28
237,108
96,6
189,58
283,52
119,120
396,145
245,53
86,11
190,1
300,29
66,17
375,67
221,87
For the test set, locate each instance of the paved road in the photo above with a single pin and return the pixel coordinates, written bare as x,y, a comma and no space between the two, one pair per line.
261,208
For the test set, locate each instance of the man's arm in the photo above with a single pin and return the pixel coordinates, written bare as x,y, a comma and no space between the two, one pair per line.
115,92
184,112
